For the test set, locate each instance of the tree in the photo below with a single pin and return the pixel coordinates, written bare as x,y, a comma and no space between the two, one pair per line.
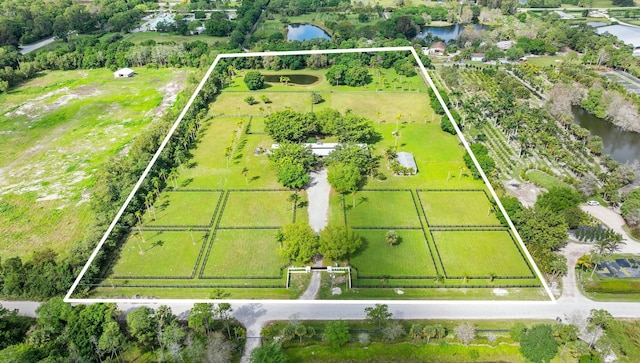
201,318
299,242
392,330
289,153
143,326
336,333
392,238
537,344
293,176
345,178
250,100
254,80
378,314
465,332
219,349
338,242
268,353
288,125
112,339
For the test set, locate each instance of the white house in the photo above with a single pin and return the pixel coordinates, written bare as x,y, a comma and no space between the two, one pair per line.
321,149
124,73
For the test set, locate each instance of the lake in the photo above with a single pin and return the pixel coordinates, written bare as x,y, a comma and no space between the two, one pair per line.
293,78
623,146
305,32
447,33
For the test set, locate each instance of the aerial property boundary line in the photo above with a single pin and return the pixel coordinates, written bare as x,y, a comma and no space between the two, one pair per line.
206,77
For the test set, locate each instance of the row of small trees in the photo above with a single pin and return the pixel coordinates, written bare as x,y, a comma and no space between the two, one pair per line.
298,242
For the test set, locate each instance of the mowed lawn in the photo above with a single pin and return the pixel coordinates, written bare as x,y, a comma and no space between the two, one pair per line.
166,254
382,209
480,253
183,209
409,258
257,209
458,208
244,253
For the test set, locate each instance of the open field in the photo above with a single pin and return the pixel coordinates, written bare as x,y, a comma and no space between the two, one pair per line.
380,209
480,253
169,209
380,259
240,254
164,254
458,208
158,37
55,131
257,249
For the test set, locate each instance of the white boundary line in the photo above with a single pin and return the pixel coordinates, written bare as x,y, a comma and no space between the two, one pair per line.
93,255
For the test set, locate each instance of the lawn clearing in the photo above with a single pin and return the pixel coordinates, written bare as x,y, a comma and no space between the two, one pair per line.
382,209
257,209
458,208
184,209
377,258
480,253
244,253
166,254
55,131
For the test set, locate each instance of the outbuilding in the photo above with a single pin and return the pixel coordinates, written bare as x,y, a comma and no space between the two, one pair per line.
406,160
124,73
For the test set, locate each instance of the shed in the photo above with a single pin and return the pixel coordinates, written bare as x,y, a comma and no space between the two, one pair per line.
406,159
124,73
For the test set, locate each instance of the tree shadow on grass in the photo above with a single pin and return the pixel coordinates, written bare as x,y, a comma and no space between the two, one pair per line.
186,182
192,165
158,243
254,178
363,247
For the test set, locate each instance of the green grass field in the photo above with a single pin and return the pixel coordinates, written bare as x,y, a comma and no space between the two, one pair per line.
458,208
55,131
244,253
380,259
171,209
165,254
236,252
257,209
479,253
384,209
158,37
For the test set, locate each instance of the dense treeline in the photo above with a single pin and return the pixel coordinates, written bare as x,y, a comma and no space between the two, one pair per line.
26,21
99,332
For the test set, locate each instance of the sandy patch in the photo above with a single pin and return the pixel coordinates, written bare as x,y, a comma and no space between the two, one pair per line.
526,192
170,93
34,108
500,292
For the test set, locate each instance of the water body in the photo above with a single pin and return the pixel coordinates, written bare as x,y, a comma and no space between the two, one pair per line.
293,78
623,146
447,33
305,32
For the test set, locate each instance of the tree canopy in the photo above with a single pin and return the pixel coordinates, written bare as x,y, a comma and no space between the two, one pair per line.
298,242
537,344
289,125
254,80
339,242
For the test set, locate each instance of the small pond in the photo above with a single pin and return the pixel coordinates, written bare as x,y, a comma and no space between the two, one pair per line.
621,145
293,78
447,33
305,32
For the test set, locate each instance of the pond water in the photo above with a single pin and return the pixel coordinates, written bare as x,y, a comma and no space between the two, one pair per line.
305,32
623,146
447,33
293,78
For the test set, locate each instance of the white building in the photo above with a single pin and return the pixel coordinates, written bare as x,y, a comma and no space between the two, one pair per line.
124,73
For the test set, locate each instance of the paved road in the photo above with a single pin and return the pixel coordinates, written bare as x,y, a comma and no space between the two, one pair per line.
614,221
24,49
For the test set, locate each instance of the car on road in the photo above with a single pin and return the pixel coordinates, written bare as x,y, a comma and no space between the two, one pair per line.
593,202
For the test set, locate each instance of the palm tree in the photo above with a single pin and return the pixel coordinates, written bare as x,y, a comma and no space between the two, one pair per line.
137,237
398,117
293,198
191,234
245,172
392,237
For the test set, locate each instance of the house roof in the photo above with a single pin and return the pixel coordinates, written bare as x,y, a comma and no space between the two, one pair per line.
125,71
406,159
629,35
438,45
477,55
320,148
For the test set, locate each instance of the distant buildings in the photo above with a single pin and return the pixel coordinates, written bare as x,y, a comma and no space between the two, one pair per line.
628,35
437,48
477,57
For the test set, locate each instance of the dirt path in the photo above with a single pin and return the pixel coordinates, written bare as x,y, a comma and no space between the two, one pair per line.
318,194
570,291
